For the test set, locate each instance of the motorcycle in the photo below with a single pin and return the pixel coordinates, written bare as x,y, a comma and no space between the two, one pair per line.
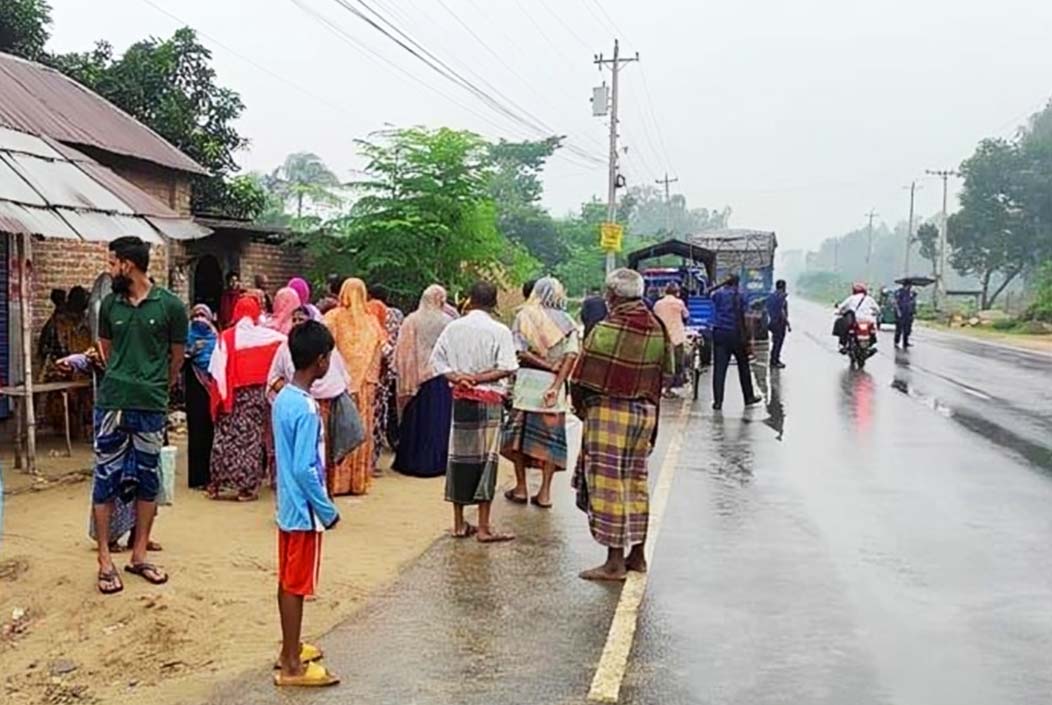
861,343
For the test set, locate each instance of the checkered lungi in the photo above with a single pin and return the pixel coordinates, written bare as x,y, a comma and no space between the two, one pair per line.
474,451
612,470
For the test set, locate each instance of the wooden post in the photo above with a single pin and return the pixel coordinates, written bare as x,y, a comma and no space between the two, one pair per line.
26,310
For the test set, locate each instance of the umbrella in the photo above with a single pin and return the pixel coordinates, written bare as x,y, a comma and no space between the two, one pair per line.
915,281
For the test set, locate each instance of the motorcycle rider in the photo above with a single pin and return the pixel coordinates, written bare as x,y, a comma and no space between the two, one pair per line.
861,307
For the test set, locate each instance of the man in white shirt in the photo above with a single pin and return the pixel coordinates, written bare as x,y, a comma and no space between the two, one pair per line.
862,307
476,354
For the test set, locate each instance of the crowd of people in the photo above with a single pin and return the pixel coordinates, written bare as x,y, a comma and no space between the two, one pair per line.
326,383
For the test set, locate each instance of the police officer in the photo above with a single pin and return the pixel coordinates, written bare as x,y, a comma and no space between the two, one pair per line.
905,308
729,339
778,322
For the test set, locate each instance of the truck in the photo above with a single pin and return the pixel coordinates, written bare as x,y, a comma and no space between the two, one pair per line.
749,254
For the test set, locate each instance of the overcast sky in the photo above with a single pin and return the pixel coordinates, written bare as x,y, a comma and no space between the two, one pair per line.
800,115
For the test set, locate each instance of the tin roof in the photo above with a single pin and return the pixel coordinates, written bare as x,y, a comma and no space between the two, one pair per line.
68,195
738,247
42,101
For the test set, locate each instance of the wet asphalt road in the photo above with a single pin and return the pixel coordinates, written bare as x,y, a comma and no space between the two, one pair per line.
864,537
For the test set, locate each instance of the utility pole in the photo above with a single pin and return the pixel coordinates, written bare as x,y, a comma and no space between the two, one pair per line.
909,228
836,255
668,201
869,242
940,284
611,194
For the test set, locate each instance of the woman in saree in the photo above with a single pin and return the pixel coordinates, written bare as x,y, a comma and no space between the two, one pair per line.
239,367
286,301
425,401
547,342
200,343
360,341
302,288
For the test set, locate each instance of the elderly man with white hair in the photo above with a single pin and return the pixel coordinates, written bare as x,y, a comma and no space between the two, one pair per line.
616,390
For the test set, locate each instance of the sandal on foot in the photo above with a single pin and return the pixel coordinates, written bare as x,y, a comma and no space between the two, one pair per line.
309,653
469,531
148,572
496,538
537,503
111,578
314,676
514,498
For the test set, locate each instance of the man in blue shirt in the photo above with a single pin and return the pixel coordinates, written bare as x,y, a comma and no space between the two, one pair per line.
777,322
728,339
905,308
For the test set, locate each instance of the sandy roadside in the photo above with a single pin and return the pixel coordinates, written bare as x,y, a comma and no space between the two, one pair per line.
216,618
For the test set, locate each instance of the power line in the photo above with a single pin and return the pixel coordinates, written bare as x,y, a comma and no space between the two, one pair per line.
609,19
356,44
428,58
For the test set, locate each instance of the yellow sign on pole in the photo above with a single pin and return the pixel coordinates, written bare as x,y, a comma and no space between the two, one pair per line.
610,235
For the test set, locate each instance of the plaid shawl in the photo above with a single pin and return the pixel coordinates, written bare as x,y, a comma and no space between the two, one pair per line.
625,355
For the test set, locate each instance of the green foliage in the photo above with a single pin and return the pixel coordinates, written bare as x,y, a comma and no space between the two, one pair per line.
583,267
1041,309
928,238
515,187
825,287
992,233
170,86
245,197
304,178
24,27
424,215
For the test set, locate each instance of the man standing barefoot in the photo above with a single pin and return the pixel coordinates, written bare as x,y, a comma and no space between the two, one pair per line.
616,391
475,353
142,336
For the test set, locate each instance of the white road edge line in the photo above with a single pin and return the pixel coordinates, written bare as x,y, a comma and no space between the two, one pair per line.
606,684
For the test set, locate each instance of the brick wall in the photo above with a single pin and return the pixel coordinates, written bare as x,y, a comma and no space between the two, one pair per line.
170,187
278,262
63,264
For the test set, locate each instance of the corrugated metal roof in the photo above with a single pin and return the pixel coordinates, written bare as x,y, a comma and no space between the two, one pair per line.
78,198
42,101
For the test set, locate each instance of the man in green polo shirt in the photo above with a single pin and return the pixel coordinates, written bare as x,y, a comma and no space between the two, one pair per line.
142,335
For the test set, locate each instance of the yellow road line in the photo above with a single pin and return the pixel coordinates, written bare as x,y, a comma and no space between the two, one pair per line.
606,684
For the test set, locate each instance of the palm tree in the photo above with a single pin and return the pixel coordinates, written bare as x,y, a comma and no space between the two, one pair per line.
304,176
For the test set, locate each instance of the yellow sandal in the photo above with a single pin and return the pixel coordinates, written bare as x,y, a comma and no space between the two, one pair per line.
308,654
314,676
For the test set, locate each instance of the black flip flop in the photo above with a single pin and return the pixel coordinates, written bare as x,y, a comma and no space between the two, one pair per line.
109,576
537,503
514,498
469,531
141,569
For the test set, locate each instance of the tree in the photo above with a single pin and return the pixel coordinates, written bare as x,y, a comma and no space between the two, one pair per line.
24,27
927,238
304,177
583,268
516,189
992,234
424,215
170,86
650,215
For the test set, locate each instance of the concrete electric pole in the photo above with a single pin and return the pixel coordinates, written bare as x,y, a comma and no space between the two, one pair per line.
668,201
869,242
940,284
909,228
611,194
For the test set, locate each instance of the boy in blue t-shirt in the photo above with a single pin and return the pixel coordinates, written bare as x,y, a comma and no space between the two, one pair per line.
304,507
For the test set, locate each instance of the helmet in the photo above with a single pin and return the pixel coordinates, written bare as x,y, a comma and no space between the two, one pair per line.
858,288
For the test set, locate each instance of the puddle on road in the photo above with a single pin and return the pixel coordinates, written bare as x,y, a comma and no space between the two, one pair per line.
1036,454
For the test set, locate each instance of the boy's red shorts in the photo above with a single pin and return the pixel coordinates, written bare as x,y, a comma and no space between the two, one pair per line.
299,558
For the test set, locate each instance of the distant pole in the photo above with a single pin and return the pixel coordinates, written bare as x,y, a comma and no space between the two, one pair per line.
909,229
869,243
836,255
668,201
611,193
940,276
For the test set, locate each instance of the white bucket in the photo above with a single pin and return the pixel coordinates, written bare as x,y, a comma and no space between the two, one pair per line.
169,455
